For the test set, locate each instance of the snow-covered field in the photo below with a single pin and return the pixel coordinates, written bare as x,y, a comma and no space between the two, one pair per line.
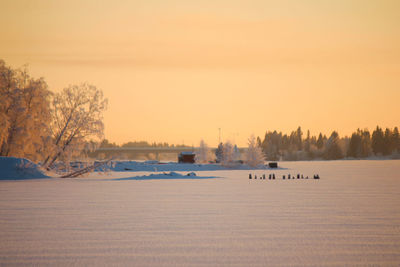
349,217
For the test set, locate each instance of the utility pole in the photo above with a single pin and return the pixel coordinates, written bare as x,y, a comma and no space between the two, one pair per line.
219,129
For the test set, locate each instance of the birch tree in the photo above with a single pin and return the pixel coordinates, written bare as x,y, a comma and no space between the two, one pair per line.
77,116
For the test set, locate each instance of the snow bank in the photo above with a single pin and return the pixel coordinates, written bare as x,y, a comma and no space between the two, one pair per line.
166,176
19,169
134,166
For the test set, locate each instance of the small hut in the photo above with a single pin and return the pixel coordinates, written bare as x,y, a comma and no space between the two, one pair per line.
273,164
186,157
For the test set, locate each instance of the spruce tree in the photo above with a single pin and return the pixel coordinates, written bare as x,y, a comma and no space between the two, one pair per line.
396,140
354,149
219,152
377,141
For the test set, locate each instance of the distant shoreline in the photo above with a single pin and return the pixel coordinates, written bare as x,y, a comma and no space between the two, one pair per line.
372,158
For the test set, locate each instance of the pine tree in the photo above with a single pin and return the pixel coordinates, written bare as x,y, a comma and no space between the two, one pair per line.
387,142
219,152
299,137
354,149
272,145
396,140
365,143
320,141
333,150
307,142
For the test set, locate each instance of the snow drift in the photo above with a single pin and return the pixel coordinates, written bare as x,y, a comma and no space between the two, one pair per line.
19,169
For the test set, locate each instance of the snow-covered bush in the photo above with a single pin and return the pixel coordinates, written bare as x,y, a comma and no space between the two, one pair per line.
254,154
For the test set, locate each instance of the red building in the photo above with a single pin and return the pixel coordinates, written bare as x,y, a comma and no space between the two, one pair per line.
186,157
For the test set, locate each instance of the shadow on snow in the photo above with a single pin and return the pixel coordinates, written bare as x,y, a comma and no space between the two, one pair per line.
166,176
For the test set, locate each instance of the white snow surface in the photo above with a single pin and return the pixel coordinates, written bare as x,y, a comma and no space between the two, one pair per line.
349,217
18,169
165,175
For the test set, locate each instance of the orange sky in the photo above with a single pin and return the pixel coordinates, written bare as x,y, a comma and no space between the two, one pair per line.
176,71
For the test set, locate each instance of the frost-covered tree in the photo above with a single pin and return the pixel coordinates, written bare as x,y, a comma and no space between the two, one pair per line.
77,115
24,114
228,154
254,154
7,90
203,153
236,153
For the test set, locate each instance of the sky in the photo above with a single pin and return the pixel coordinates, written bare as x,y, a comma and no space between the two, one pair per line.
178,71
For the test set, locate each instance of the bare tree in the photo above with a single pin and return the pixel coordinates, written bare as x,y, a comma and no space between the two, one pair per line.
77,115
254,154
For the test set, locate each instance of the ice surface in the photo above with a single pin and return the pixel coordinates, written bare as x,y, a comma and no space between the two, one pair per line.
349,217
18,169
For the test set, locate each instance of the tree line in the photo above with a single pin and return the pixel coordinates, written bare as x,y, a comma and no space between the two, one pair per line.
361,144
47,126
105,143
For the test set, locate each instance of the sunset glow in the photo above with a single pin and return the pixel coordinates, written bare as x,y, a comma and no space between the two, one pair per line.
177,71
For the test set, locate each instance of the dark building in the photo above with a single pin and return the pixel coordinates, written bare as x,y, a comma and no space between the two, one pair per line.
186,157
273,164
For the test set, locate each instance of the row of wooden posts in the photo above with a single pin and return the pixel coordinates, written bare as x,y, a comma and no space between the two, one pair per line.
272,177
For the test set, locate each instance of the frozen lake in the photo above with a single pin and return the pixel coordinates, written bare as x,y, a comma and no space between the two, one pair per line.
349,217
